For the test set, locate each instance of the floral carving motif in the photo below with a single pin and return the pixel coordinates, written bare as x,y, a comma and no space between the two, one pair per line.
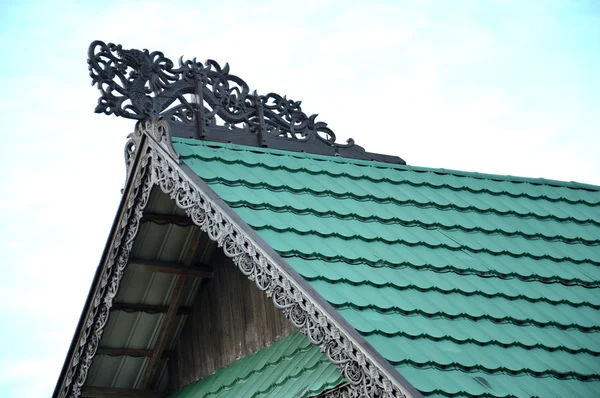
108,285
343,391
139,84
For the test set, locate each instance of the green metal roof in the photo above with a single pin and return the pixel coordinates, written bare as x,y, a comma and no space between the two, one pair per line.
290,368
468,284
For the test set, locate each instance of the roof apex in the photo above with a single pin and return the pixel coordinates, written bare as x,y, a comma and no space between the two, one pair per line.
206,102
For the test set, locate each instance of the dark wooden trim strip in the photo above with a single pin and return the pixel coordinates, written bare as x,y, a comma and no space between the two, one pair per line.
129,352
163,333
113,392
172,268
182,221
169,317
147,308
127,193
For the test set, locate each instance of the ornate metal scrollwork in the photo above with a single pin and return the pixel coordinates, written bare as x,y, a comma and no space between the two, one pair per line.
159,168
149,88
343,391
157,128
364,378
106,290
142,84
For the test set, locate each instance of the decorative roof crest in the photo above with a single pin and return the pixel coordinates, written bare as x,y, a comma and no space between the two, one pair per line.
139,84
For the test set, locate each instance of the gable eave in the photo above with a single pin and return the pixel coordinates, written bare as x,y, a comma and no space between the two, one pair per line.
155,163
367,371
120,224
315,298
367,356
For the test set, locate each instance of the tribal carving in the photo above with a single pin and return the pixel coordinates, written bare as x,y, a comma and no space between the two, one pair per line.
134,84
158,130
205,101
107,287
343,391
132,146
149,88
140,84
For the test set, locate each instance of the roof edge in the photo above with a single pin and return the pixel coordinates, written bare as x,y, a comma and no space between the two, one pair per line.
369,373
390,165
103,277
151,161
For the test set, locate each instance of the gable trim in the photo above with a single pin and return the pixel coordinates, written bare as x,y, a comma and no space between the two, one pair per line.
107,278
341,391
367,372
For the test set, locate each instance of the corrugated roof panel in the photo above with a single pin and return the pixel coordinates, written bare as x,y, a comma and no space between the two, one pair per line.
130,329
113,371
290,367
467,283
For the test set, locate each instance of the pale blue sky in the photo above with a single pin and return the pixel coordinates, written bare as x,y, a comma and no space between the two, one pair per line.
509,87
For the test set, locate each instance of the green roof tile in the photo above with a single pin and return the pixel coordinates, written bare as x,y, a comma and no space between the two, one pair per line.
290,368
469,284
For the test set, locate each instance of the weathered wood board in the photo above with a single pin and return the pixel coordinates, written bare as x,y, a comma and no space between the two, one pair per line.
230,319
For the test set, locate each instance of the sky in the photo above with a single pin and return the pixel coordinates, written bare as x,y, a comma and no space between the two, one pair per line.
504,87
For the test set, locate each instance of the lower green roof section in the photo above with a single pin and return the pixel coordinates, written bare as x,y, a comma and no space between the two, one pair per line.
291,367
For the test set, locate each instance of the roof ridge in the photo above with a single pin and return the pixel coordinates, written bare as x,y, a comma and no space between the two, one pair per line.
379,164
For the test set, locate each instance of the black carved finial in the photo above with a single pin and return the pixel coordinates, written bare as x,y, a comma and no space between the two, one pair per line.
218,105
